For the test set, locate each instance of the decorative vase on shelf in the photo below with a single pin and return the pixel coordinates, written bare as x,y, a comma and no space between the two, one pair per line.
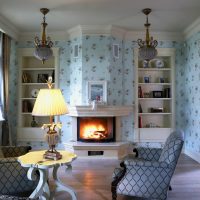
33,122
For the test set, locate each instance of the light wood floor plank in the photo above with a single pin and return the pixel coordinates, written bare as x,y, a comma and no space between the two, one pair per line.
91,179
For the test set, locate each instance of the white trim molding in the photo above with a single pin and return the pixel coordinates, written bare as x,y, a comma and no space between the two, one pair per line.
109,30
29,36
193,155
166,36
75,32
8,28
101,110
192,29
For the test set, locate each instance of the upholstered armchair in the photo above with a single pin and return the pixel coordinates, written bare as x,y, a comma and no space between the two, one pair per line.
13,177
149,174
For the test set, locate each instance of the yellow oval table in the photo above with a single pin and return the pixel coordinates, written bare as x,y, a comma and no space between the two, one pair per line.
34,161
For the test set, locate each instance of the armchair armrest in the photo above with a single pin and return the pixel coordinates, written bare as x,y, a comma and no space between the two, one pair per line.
117,172
14,151
8,160
152,154
146,163
13,178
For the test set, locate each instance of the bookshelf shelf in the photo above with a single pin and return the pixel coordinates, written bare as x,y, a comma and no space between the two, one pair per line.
155,97
32,77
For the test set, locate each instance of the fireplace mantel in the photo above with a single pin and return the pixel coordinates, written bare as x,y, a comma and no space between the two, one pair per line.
101,110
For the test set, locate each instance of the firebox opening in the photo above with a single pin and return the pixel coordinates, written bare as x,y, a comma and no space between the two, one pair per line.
96,129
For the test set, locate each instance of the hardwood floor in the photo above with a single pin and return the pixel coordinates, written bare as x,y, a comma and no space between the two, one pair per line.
91,179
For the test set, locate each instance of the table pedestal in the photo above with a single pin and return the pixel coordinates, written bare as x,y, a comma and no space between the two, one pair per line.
42,190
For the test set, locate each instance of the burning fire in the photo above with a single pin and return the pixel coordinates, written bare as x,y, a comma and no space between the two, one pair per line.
94,132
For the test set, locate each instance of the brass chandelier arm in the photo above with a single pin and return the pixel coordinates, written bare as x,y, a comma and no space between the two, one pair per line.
147,49
43,49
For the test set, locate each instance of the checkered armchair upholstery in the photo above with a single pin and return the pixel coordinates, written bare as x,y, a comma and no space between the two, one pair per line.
152,154
13,177
149,174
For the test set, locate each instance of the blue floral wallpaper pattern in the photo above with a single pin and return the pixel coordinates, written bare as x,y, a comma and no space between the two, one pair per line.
96,62
188,92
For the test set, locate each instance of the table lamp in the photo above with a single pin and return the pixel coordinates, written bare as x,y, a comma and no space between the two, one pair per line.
50,102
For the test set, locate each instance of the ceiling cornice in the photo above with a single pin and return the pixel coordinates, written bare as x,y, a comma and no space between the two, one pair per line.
29,36
115,31
96,29
166,36
192,29
74,32
9,28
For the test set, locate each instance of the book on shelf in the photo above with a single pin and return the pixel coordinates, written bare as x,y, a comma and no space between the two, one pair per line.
140,92
140,122
167,93
26,106
140,108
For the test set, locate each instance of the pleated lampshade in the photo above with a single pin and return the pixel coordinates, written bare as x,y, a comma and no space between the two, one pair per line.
49,102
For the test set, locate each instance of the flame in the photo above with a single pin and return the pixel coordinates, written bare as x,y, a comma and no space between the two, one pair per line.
94,132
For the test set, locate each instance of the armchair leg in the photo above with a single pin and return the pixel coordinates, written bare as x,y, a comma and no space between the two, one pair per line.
170,188
116,181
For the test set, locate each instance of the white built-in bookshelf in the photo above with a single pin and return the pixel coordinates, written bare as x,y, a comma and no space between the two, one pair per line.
32,77
154,96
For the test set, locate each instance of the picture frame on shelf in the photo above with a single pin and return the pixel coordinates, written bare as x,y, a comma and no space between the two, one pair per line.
157,94
97,91
42,78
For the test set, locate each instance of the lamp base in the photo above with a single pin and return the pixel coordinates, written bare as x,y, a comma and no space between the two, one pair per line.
55,155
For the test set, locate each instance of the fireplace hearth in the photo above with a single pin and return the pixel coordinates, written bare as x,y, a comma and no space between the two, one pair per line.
96,129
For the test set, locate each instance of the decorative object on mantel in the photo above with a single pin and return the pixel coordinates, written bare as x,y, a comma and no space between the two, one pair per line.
97,92
94,105
102,110
43,49
147,48
50,102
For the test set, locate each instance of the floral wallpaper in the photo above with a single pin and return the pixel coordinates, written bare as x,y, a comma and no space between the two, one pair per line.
188,90
95,61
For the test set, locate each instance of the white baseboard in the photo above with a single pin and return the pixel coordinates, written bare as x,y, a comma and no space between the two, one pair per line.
195,156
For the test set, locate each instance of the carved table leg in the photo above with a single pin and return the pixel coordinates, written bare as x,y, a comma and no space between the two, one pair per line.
42,190
60,186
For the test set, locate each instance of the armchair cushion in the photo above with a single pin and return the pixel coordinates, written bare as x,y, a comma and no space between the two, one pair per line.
148,153
146,163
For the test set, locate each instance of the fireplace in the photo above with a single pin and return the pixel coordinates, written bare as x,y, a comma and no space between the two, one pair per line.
96,129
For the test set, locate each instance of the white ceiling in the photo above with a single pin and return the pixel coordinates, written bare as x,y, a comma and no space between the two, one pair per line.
167,15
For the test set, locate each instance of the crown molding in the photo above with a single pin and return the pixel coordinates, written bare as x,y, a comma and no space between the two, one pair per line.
75,32
80,30
8,28
29,36
124,34
96,29
166,36
192,29
118,32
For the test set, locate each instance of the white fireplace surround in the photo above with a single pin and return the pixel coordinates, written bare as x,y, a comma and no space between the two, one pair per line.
101,110
116,149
